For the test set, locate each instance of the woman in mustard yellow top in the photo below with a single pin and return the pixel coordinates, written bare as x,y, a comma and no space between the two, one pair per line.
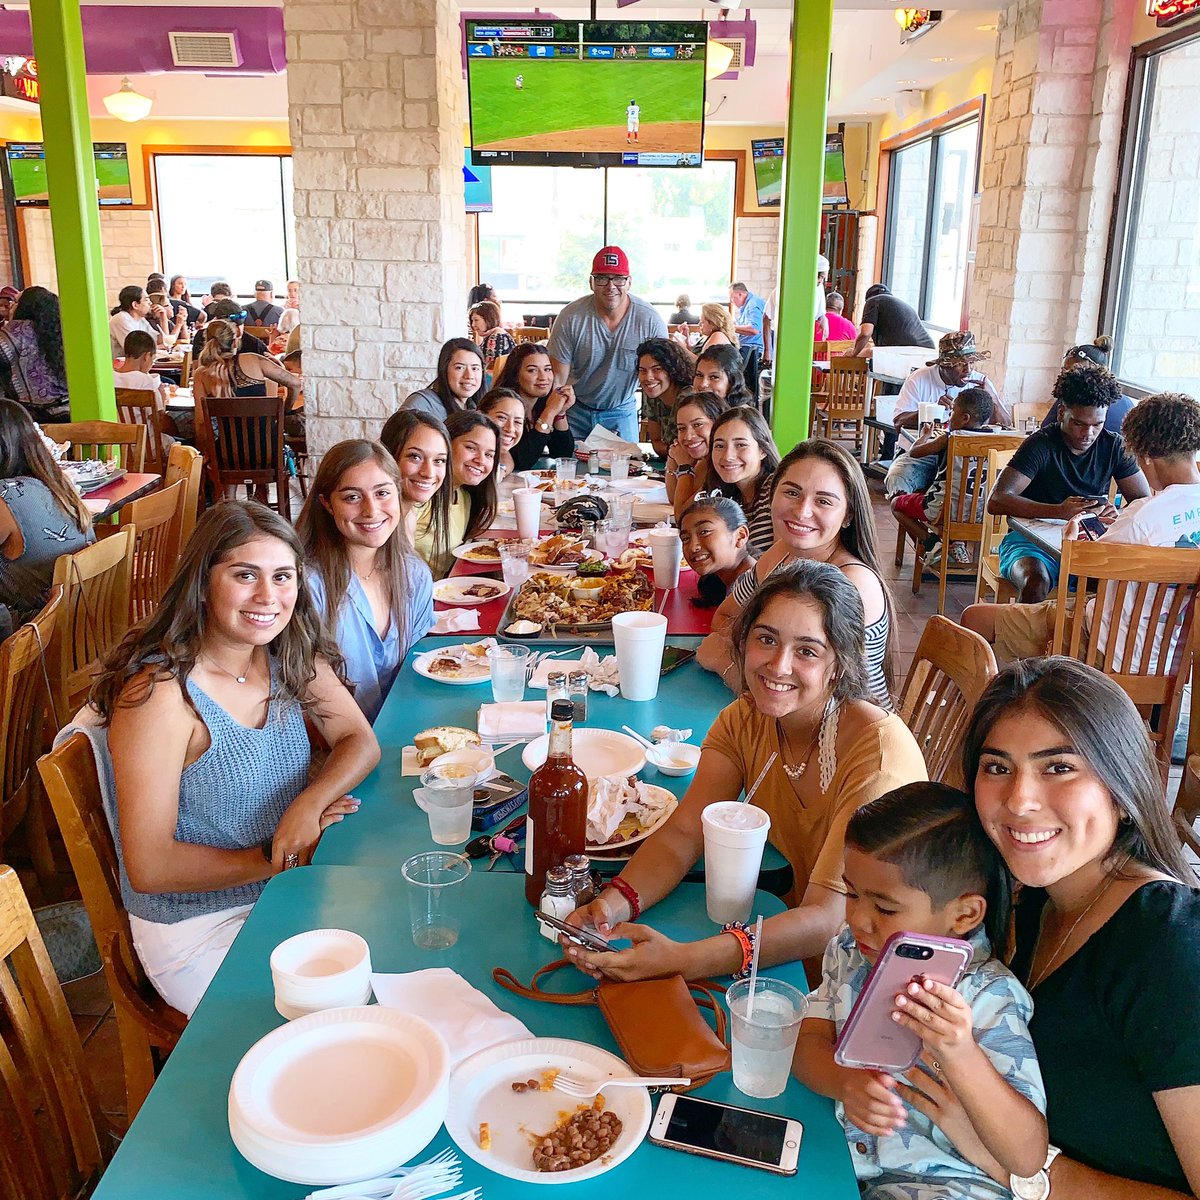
799,646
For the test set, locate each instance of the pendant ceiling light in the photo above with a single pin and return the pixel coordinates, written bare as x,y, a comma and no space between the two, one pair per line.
717,60
128,105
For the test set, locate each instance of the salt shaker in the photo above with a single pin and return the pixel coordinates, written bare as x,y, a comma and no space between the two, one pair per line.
556,688
594,463
577,686
558,900
582,887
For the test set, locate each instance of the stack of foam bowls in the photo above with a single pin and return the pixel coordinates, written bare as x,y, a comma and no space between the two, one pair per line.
340,1096
323,968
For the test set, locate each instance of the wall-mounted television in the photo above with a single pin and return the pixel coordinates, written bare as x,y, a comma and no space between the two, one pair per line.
586,93
767,155
27,169
477,185
833,189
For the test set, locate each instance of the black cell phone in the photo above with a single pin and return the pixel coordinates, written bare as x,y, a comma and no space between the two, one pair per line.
675,656
737,1135
1092,527
581,937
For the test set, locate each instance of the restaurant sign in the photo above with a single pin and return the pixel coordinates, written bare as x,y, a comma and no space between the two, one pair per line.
1167,12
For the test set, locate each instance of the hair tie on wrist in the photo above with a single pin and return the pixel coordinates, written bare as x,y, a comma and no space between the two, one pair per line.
629,894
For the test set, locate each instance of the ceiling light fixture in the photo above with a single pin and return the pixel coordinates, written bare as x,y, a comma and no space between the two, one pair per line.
986,28
717,60
942,58
916,22
906,82
127,105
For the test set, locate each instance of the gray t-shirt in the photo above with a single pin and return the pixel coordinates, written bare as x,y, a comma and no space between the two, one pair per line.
603,362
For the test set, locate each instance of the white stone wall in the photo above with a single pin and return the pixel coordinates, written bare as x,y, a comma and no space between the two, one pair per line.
128,241
375,109
756,253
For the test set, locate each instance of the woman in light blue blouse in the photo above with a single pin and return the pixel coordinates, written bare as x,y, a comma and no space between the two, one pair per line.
374,594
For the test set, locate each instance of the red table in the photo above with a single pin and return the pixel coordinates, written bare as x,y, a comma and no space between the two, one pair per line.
111,498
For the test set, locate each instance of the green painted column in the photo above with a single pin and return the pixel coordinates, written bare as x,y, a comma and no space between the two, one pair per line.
804,169
74,215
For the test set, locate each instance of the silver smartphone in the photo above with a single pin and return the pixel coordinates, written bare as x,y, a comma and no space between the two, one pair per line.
587,938
736,1135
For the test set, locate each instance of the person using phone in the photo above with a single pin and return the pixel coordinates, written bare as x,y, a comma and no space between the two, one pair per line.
1162,433
917,861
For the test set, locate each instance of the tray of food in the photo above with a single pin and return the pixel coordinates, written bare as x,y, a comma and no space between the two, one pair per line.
575,604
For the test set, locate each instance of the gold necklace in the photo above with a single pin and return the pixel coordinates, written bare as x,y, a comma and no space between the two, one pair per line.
227,671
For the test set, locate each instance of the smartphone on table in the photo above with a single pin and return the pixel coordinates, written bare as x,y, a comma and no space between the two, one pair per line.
870,1038
736,1135
675,656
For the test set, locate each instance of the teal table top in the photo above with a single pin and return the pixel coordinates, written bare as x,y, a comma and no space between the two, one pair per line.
179,1146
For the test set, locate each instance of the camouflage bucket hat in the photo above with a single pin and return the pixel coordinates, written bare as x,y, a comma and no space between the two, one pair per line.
957,347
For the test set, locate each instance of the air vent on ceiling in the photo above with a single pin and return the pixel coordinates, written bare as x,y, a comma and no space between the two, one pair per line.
738,46
205,49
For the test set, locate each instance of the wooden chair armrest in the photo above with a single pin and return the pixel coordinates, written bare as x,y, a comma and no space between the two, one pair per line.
162,1023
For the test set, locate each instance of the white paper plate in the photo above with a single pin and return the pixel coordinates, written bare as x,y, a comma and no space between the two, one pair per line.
481,1090
467,553
340,1095
475,675
671,804
451,591
596,752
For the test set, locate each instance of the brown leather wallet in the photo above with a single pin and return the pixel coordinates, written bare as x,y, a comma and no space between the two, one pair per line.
657,1023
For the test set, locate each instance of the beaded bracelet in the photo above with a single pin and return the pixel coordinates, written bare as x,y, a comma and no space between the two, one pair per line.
631,897
745,937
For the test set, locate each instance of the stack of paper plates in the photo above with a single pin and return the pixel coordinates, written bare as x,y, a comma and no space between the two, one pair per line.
323,968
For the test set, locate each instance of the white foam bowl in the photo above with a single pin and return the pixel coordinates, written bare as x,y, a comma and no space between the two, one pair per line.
323,968
674,758
476,759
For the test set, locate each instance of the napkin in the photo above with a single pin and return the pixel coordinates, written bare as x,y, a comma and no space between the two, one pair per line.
462,1014
513,719
604,439
603,675
452,620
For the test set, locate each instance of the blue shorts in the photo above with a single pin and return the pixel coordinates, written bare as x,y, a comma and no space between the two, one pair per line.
1016,545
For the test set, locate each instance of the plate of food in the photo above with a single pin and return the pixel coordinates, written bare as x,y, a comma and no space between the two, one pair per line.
596,752
469,589
485,552
562,552
548,599
623,811
504,1110
463,664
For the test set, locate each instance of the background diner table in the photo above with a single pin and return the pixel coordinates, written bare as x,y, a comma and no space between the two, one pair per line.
179,1146
103,502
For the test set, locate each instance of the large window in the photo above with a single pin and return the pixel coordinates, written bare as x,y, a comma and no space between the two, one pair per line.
226,216
931,181
547,222
1152,302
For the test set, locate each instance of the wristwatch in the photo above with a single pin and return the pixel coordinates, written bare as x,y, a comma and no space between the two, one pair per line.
684,470
541,427
1034,1187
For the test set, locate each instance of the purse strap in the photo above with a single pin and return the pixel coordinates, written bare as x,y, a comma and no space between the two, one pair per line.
506,979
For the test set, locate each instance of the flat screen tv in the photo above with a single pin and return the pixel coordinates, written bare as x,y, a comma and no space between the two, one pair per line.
586,93
27,169
767,154
477,185
833,190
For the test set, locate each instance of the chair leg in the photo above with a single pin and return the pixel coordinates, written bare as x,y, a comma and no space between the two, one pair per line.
900,536
943,570
918,564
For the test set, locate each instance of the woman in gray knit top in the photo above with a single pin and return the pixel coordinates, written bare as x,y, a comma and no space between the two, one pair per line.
205,704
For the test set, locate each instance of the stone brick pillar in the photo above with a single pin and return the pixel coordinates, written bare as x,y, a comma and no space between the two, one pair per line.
1048,174
375,104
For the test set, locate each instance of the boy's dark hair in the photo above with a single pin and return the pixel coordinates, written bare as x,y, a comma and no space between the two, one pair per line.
976,403
1087,387
931,833
137,343
1166,425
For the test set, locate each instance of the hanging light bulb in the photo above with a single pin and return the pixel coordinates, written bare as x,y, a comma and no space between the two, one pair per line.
128,105
717,59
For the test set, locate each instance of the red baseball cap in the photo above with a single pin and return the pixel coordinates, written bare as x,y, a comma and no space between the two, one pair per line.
610,261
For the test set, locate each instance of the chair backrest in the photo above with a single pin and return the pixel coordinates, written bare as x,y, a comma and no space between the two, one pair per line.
847,389
529,333
136,406
968,482
259,331
53,1138
1034,411
156,518
185,368
187,464
144,1019
243,436
94,614
824,351
949,671
25,659
97,439
1137,628
994,526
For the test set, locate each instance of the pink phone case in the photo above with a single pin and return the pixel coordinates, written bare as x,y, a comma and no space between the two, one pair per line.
870,1038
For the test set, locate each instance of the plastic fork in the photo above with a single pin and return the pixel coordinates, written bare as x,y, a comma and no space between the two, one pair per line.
444,1163
583,1089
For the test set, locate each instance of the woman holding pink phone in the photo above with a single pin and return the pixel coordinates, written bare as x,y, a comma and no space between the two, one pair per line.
1107,927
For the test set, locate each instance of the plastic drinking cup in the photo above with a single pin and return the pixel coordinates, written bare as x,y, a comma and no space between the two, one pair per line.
527,503
564,468
435,889
666,549
764,1035
619,468
639,638
734,837
509,667
447,799
514,560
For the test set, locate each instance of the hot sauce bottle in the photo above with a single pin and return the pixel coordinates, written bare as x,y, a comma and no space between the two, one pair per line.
556,826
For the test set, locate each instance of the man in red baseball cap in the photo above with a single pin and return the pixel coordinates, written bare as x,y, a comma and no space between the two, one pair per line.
593,345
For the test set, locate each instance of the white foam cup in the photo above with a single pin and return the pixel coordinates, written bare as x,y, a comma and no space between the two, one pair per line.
527,503
667,552
639,638
734,837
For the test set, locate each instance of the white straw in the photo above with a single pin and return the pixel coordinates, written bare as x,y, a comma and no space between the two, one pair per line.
761,776
754,965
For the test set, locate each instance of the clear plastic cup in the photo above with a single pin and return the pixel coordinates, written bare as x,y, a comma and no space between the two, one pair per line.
565,468
619,467
620,522
435,897
509,664
764,1037
527,504
734,837
447,798
514,560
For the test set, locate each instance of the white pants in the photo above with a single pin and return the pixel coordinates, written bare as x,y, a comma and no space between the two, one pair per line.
181,959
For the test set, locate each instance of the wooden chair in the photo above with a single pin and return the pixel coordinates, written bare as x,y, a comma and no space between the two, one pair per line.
949,671
96,439
995,527
54,1141
826,351
529,333
1035,412
1187,800
186,464
24,701
963,509
135,406
185,368
146,1023
262,332
157,519
242,440
93,617
846,400
1155,587
820,378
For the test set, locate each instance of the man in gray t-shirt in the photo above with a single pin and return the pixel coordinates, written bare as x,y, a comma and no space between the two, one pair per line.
594,346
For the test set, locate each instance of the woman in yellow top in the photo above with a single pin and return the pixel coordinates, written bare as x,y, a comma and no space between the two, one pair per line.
799,646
